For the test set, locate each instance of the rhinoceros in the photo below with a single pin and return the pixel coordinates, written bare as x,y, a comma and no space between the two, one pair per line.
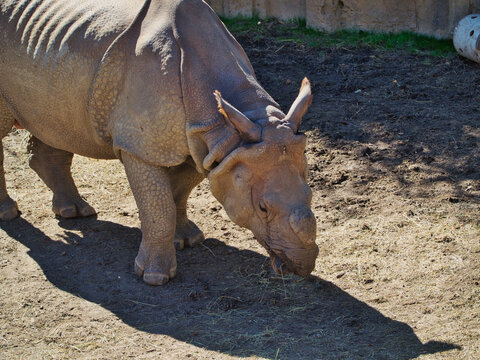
164,87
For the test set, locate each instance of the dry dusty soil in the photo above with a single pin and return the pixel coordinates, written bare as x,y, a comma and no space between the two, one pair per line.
395,170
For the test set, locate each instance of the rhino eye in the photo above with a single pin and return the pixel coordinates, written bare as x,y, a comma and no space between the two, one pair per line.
262,206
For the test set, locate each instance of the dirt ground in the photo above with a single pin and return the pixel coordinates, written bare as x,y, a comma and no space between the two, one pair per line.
394,166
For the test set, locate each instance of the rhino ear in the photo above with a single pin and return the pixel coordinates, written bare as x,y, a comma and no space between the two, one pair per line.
299,106
247,129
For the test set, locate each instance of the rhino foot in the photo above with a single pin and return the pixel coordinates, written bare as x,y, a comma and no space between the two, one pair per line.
68,207
155,269
188,235
8,210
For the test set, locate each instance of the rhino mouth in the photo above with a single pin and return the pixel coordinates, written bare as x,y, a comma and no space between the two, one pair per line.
278,265
277,261
282,265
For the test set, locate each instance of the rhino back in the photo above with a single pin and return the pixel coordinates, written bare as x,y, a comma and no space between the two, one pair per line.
49,52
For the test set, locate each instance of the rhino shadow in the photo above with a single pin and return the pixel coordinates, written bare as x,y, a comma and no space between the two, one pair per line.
222,299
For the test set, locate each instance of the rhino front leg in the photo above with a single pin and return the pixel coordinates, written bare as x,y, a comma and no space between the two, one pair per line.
183,179
53,167
8,207
156,260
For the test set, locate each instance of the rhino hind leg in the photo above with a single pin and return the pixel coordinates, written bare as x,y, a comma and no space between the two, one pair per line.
8,207
53,167
183,179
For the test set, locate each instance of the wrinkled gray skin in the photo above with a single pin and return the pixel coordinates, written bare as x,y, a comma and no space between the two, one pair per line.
135,80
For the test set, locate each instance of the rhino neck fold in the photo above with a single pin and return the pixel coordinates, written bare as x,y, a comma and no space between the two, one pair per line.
211,142
212,60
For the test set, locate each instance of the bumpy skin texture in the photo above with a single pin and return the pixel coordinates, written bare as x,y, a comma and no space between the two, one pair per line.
135,80
150,185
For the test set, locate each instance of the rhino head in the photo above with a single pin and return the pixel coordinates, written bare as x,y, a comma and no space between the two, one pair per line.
262,184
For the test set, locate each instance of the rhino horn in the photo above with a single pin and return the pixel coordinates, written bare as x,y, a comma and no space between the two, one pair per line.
299,106
247,129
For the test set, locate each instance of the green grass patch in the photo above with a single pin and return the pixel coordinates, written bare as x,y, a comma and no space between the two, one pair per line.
296,31
241,24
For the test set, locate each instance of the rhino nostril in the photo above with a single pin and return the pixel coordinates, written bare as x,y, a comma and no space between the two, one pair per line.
303,223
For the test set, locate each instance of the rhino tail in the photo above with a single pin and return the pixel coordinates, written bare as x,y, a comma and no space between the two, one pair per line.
110,75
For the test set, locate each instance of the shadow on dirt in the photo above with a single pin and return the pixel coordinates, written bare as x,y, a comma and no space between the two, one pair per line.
223,299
